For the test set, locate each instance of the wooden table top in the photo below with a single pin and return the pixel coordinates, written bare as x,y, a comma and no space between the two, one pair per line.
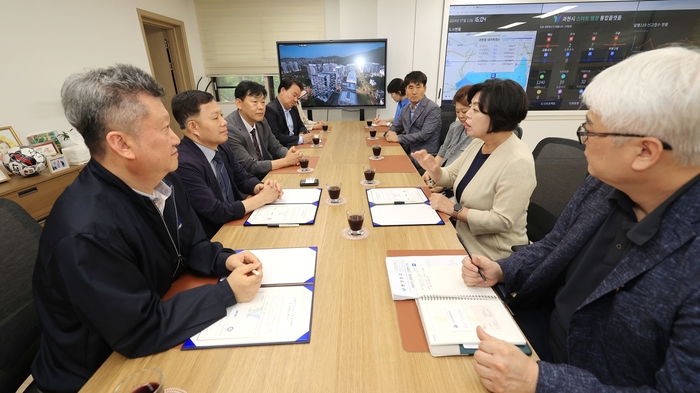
355,343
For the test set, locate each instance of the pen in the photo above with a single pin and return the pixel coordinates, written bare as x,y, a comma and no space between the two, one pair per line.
254,271
281,225
470,257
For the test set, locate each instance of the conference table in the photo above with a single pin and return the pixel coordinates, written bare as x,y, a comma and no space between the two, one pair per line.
355,345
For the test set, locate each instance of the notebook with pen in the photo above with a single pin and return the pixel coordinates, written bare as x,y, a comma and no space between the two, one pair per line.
449,310
281,311
401,206
298,206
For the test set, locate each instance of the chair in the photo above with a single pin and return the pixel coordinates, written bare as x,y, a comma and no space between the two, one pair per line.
561,168
19,323
518,131
448,117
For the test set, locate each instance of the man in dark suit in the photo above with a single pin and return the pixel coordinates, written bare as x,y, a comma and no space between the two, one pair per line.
120,235
283,116
249,133
616,281
216,183
419,123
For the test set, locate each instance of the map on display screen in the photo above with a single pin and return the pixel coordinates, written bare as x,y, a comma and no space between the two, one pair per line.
553,50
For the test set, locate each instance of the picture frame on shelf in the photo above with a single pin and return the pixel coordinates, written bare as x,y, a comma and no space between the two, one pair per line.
4,175
48,149
8,139
57,163
45,137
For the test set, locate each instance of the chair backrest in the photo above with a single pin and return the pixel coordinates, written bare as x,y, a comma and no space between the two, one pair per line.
19,323
448,117
518,131
560,167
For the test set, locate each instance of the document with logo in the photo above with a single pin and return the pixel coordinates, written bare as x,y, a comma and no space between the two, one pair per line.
280,313
277,315
396,196
296,207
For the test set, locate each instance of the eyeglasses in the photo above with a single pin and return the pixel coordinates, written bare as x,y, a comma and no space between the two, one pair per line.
582,133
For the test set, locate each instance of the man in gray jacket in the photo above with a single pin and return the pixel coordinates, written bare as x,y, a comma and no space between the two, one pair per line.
420,121
618,275
249,134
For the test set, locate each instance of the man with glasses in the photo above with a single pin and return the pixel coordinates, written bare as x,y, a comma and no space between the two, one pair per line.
614,286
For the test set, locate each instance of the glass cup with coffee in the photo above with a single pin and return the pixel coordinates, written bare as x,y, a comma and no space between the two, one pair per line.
376,150
356,217
373,133
369,174
147,380
316,139
325,127
334,191
304,163
369,123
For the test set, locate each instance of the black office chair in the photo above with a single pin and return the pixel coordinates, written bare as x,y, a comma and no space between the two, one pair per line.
448,117
518,131
19,323
560,167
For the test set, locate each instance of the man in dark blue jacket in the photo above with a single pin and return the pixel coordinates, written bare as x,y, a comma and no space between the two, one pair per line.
283,116
119,236
617,278
216,183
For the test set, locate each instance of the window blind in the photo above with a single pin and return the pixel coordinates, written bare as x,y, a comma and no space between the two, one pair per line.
238,36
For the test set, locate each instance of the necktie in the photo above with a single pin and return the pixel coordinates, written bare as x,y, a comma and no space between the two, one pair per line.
255,143
222,177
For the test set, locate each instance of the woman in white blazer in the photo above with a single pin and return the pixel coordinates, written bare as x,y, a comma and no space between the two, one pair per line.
494,177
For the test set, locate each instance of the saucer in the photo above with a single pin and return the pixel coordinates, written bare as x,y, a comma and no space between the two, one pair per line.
345,233
374,183
307,170
341,201
372,139
373,158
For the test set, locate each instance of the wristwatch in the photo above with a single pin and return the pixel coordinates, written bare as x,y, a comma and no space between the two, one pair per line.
457,208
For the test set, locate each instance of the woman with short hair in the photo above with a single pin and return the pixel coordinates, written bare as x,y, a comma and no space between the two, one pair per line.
494,177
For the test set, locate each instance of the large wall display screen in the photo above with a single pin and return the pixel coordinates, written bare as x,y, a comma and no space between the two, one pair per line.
554,50
338,73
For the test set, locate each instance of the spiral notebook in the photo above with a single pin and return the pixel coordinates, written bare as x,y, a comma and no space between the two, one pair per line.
450,311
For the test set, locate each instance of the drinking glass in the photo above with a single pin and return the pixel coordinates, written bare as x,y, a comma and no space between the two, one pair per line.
334,191
369,172
376,150
147,380
356,218
304,163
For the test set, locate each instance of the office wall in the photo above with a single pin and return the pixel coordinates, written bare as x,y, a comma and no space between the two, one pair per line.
414,32
45,41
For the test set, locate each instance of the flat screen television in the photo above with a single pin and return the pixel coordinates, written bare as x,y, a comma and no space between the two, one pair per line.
553,50
337,73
